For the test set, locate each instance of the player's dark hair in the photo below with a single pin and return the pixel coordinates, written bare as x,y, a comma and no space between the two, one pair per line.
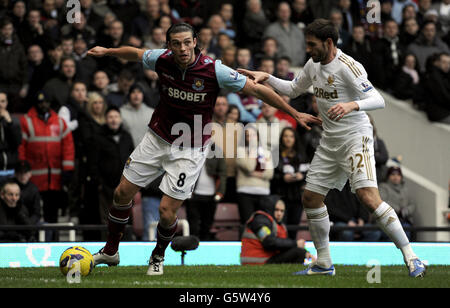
323,29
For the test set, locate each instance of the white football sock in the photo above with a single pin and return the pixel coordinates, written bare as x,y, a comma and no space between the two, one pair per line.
319,228
388,221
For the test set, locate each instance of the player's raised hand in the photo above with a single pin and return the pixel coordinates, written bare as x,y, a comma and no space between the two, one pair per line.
257,76
97,51
339,110
304,119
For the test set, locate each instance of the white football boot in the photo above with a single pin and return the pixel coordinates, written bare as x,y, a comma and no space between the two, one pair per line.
103,258
156,265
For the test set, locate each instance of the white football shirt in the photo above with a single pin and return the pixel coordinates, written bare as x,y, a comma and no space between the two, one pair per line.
340,81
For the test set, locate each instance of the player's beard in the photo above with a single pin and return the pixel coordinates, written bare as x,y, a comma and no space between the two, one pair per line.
321,54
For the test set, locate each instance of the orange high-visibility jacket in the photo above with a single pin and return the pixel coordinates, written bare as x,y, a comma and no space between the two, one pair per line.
48,147
252,251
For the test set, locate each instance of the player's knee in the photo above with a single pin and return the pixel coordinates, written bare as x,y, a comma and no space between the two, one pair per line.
369,198
121,196
309,200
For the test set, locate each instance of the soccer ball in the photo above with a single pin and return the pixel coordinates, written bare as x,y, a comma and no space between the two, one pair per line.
77,258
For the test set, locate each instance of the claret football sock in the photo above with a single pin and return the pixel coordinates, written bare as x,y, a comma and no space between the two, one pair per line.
117,221
388,221
164,237
319,228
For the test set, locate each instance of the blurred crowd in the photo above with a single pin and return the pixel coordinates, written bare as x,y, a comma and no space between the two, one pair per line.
68,122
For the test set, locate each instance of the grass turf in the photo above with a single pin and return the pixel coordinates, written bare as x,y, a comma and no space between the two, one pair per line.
268,276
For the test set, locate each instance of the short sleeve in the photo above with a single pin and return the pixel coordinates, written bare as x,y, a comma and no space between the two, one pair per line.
228,78
150,57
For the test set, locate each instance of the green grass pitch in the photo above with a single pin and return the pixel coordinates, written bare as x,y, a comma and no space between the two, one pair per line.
268,276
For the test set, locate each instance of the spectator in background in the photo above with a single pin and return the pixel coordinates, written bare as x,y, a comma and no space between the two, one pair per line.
51,18
124,10
427,44
93,19
12,213
223,42
107,156
47,145
90,127
72,110
204,41
209,189
10,136
396,193
269,50
254,172
338,20
217,25
135,112
151,199
156,40
229,56
408,79
283,67
32,31
265,238
254,24
442,8
100,83
269,128
346,210
87,65
80,29
13,63
119,91
18,13
423,7
389,52
38,72
397,9
191,11
360,48
409,31
165,23
267,65
143,24
301,13
226,12
381,153
437,90
345,6
244,58
291,40
289,177
29,193
58,88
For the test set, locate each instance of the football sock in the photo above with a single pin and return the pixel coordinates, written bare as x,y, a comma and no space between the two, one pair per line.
319,228
164,237
388,221
117,221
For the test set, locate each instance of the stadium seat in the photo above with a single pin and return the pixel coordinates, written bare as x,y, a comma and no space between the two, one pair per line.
226,222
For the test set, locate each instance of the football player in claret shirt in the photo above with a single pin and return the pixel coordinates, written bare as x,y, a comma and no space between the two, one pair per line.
189,85
343,94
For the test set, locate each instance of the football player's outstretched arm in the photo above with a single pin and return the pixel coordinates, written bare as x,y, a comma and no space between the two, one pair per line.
126,52
270,97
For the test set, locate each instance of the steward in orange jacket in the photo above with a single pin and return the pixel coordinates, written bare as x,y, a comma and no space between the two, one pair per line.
265,239
47,145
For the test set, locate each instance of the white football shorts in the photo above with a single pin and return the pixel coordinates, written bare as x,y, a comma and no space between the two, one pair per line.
335,162
154,157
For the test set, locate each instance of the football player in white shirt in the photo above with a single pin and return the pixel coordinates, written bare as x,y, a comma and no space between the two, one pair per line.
343,94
